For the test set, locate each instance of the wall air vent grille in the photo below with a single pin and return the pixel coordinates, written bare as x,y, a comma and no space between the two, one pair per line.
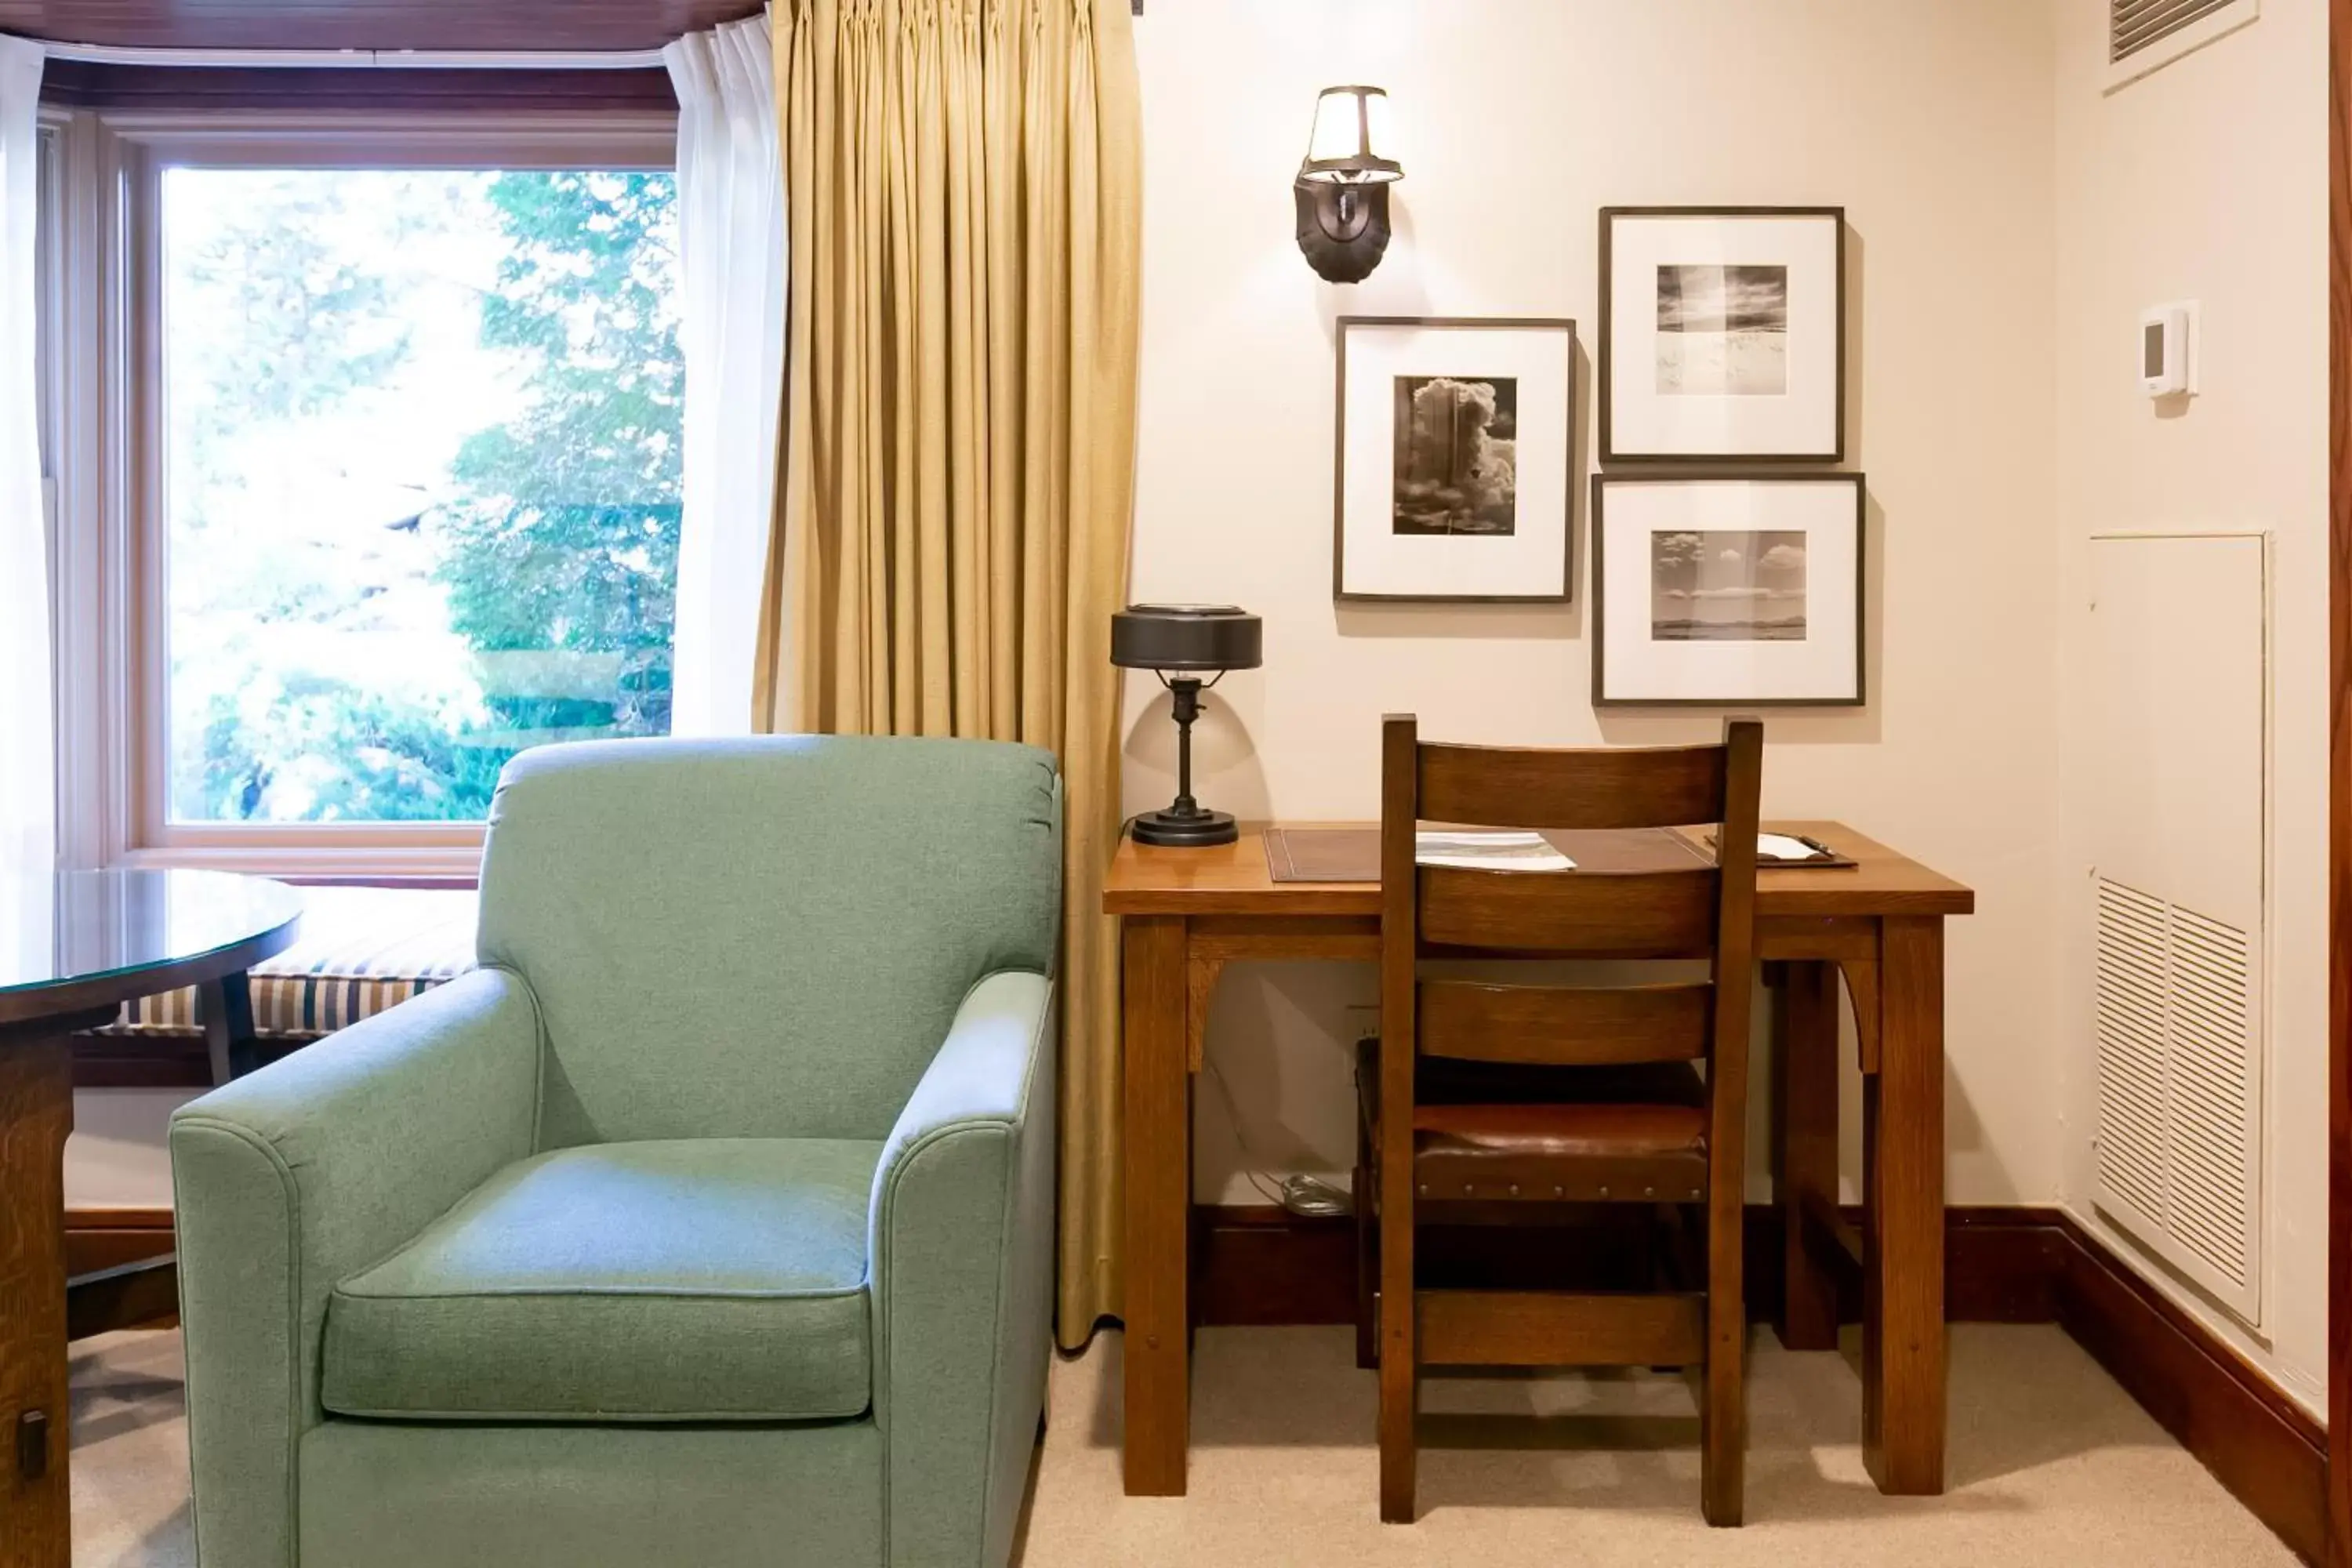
2145,34
2178,1082
2136,24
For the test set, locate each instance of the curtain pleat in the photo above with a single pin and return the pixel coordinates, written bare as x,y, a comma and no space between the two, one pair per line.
965,190
28,842
732,247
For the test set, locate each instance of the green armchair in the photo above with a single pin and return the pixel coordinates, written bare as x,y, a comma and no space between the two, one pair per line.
709,1222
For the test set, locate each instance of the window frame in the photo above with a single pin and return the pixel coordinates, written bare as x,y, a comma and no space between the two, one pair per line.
112,544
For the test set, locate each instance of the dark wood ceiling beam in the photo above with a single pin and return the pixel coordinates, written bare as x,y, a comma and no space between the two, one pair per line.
80,85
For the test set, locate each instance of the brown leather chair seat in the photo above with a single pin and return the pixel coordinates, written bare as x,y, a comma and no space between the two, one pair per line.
1484,1132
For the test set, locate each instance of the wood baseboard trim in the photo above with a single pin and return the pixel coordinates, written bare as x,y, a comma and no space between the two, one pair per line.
2266,1449
99,1239
1261,1266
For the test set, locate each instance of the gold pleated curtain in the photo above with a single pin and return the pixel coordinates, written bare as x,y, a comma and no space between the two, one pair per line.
964,181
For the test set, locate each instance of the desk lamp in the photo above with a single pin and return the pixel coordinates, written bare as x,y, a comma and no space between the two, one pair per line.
1179,643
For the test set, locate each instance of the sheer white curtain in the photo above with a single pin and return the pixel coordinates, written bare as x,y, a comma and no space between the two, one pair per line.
731,240
28,740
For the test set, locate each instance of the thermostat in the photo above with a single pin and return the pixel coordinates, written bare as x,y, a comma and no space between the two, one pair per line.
2167,349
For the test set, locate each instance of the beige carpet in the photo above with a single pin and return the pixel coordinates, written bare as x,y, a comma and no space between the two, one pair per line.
2050,1463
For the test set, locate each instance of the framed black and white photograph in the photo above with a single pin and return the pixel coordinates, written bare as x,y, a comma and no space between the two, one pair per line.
1727,590
1723,333
1455,441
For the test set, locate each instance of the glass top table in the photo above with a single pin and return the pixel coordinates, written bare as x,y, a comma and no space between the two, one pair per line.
74,941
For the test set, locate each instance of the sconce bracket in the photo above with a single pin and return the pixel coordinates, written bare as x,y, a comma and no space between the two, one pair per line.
1343,230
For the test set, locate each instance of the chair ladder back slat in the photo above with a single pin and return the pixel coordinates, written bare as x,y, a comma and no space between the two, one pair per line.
1498,786
1565,1026
1641,914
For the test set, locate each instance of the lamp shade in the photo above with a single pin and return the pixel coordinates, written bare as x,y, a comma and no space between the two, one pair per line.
1185,637
1349,139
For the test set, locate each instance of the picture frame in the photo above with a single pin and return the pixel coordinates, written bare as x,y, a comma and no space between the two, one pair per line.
1453,452
1728,590
1723,334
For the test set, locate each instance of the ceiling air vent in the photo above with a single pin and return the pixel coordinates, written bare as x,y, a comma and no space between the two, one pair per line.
2145,34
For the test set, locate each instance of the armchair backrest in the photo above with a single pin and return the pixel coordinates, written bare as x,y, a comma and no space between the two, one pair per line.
764,937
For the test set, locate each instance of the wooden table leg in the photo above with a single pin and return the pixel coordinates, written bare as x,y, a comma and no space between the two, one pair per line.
1158,1143
1805,1147
226,1007
36,1114
1903,1395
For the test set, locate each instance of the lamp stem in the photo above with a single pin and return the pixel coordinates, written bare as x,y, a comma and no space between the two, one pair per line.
1186,694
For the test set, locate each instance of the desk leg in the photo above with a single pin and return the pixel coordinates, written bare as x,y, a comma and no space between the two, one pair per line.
1903,1417
36,1114
1158,1143
1805,1147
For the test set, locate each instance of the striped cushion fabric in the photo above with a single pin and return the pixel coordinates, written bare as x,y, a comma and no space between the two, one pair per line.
361,950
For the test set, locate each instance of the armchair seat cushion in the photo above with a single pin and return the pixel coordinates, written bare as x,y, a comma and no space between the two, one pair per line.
706,1279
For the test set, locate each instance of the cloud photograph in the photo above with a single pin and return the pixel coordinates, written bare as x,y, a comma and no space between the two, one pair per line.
1456,466
1728,585
1723,331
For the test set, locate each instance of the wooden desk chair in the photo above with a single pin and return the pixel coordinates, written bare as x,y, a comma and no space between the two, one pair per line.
1488,1099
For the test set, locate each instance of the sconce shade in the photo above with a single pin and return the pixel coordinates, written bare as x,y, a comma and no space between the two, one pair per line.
1185,637
1351,128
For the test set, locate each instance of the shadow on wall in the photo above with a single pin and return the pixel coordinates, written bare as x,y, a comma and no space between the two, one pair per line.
1226,772
1282,1040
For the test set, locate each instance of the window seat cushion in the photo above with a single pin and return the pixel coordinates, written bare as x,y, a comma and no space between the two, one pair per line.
361,951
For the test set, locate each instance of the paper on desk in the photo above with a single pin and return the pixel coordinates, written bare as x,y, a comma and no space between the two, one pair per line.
1489,851
1782,847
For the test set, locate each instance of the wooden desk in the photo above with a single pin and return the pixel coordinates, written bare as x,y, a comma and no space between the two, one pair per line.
1189,913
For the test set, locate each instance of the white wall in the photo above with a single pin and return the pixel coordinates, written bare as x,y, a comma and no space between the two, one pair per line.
115,1157
1516,121
2208,181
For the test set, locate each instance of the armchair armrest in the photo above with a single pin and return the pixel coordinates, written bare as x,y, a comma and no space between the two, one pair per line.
289,1179
960,1240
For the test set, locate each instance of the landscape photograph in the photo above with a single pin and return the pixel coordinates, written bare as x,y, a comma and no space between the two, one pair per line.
1728,585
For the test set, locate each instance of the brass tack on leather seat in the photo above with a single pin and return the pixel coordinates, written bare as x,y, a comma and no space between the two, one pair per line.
1604,1192
1515,1189
1649,1192
1560,1192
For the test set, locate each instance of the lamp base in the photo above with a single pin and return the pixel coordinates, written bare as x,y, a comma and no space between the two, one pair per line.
1194,829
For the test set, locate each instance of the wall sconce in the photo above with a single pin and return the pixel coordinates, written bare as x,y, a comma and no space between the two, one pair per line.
1342,191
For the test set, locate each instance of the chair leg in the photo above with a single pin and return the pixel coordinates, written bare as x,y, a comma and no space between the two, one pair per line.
1399,1354
1723,1395
1400,1393
1368,1261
